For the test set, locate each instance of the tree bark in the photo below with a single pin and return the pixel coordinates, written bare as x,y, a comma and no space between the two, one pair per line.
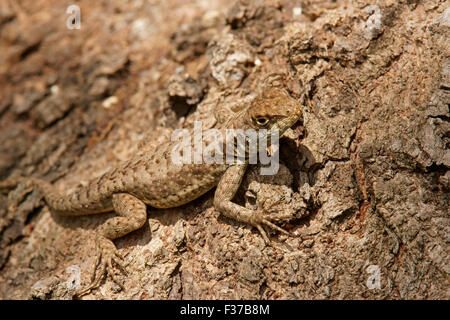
364,178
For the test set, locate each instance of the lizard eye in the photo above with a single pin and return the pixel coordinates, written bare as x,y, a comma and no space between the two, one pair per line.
261,121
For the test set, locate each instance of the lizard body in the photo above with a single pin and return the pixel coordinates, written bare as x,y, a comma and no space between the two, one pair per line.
154,179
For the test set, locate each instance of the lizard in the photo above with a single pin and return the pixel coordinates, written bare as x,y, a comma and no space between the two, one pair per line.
153,179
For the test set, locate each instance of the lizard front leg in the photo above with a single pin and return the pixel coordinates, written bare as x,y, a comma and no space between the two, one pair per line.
132,215
225,192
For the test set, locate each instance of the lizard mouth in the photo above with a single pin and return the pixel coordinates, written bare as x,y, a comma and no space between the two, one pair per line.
280,127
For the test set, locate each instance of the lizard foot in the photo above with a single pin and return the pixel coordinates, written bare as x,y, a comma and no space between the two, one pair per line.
260,221
107,258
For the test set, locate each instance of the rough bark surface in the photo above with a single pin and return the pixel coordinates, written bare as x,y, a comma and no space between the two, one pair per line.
365,176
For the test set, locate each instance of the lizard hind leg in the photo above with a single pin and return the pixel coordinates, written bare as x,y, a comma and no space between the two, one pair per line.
132,216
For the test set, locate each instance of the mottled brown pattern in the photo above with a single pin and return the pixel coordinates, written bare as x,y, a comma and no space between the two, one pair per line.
153,179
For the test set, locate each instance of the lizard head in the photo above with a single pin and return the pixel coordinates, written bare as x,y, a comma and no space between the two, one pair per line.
273,110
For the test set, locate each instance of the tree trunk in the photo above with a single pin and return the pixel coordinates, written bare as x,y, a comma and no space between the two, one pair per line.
363,178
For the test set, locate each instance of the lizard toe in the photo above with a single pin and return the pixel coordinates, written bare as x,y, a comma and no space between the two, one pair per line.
274,226
263,233
106,261
266,221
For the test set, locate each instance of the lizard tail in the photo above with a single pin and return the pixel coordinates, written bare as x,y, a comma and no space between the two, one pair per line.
54,199
80,202
19,188
9,184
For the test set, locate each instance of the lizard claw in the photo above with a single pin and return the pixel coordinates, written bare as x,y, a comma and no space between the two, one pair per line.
274,226
107,260
268,223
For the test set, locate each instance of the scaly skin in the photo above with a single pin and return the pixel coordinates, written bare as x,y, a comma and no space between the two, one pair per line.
153,179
